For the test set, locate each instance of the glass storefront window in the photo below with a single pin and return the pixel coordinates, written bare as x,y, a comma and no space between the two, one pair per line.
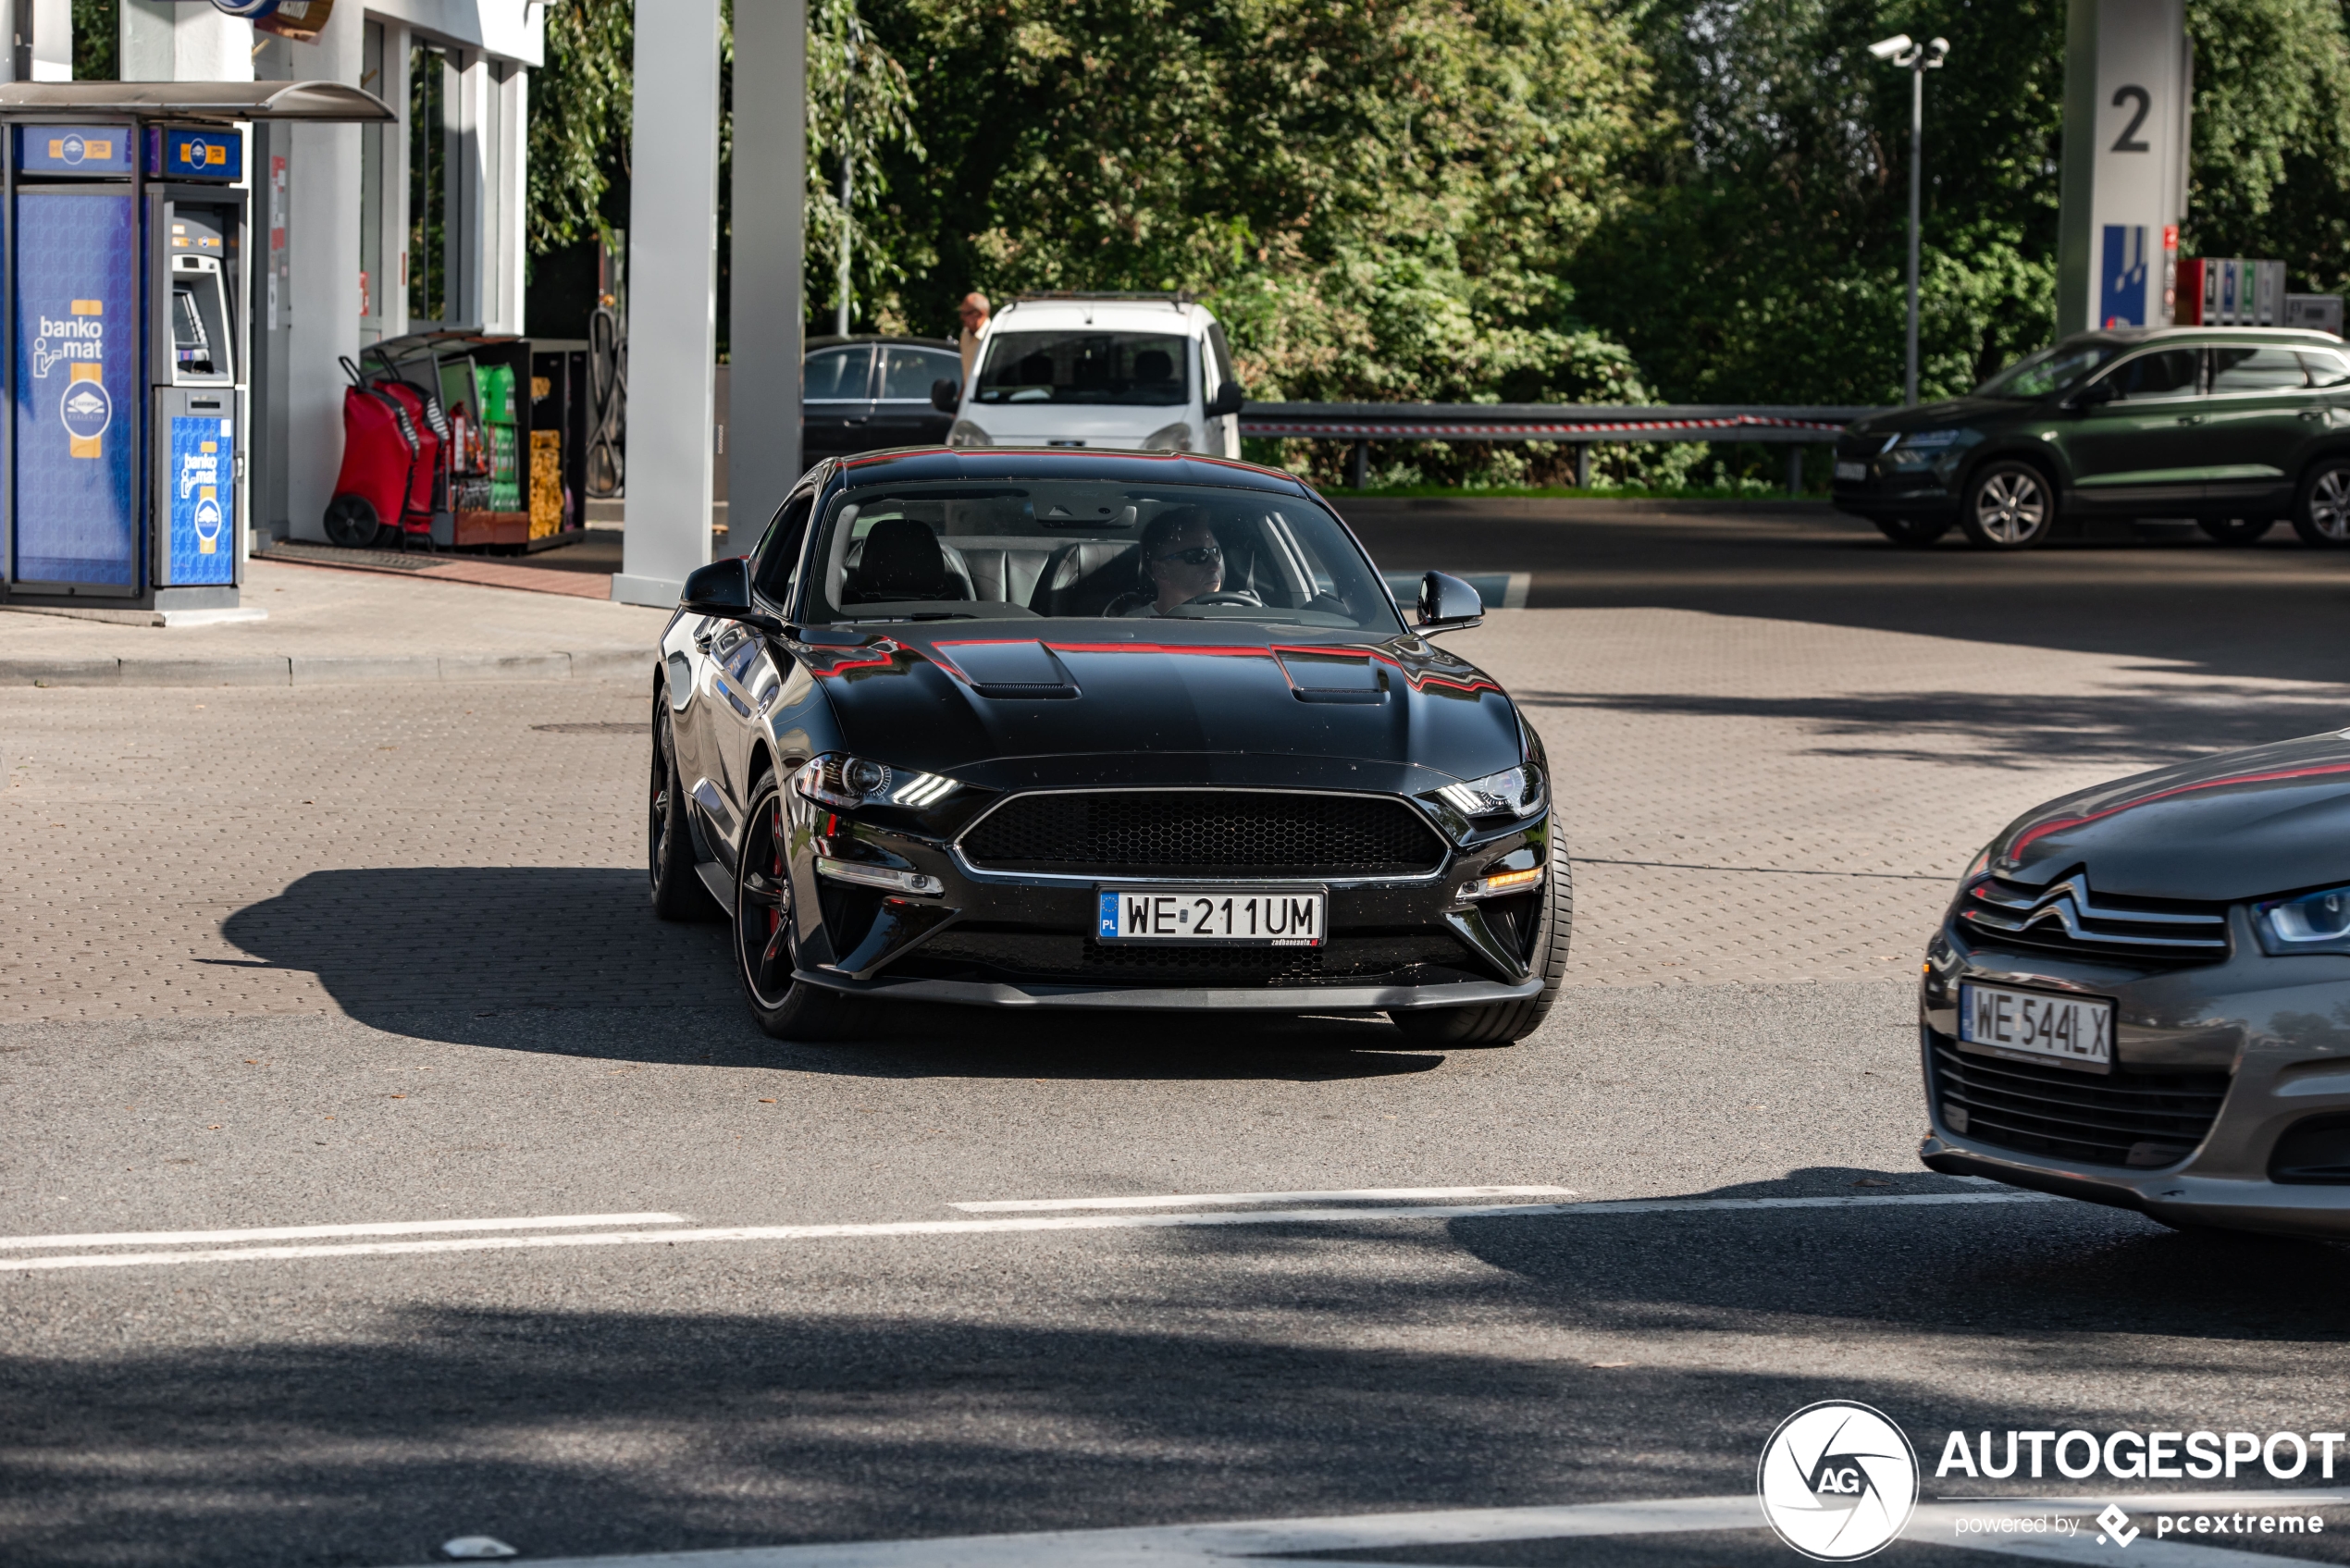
371,185
432,210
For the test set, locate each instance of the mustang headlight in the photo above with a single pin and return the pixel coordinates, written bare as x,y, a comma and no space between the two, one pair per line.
2314,922
1513,792
845,783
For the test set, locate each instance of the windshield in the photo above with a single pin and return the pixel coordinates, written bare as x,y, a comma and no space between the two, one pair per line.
2053,369
1086,367
1087,549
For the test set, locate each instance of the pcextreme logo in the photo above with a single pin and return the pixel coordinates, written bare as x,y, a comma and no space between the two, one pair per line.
1838,1481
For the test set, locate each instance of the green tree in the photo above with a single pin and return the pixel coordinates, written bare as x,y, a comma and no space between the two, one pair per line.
1379,198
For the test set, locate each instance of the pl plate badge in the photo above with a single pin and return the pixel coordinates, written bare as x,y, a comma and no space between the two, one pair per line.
1838,1481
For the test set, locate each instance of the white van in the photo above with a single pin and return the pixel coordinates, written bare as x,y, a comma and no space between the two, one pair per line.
1131,372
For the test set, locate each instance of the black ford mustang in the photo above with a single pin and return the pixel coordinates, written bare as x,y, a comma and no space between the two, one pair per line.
1081,729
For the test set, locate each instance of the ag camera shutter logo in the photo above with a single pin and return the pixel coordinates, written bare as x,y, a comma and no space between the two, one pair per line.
1838,1481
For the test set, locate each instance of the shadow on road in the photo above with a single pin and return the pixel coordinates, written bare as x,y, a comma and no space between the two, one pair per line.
774,1399
2266,611
571,960
2124,726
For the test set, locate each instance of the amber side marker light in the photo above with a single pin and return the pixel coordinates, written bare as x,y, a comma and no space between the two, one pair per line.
1502,881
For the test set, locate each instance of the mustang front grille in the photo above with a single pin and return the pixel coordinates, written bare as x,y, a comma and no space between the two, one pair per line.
2142,1119
2068,918
1204,833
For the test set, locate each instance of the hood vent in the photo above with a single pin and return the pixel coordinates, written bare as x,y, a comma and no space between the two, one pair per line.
1024,669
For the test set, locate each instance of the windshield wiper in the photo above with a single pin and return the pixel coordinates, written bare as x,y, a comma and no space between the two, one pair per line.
917,615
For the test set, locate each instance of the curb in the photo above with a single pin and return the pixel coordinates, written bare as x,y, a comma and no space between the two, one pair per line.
298,670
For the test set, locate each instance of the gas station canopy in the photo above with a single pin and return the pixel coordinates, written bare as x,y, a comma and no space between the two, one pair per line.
222,103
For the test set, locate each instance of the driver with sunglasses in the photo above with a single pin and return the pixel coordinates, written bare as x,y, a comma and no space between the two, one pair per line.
1182,564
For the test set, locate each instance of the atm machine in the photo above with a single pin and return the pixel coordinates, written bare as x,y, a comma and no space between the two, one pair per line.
125,254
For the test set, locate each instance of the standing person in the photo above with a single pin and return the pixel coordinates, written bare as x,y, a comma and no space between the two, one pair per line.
974,310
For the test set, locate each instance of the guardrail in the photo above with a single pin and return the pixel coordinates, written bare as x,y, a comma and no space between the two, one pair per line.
1578,424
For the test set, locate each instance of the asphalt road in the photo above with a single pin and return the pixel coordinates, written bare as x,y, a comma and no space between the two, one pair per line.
751,1312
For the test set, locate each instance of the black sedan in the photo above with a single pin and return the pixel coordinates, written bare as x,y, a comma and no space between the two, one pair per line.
869,393
1057,729
2141,996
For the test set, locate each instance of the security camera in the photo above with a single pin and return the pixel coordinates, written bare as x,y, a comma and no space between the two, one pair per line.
1934,52
1886,48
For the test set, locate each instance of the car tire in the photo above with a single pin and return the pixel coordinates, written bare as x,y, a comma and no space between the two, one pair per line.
765,960
2236,530
2009,505
2321,512
1910,533
351,523
1505,1023
677,890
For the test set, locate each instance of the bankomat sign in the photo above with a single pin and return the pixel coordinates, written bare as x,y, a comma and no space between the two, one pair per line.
77,471
78,339
2126,85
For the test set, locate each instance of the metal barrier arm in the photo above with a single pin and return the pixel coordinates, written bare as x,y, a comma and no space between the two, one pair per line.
1578,424
1545,422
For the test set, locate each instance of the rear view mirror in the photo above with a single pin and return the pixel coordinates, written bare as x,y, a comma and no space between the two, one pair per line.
945,395
1447,603
1228,399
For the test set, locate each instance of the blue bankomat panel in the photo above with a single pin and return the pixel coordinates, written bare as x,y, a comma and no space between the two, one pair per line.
76,336
179,153
202,539
76,149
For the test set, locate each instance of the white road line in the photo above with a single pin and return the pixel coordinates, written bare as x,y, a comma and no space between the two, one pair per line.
1034,1222
298,1232
1257,1541
1340,1195
1173,1546
1170,1545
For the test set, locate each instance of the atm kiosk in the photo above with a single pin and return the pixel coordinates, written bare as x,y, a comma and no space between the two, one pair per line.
123,250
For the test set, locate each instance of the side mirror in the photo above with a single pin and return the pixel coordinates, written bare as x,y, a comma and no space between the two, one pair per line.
946,396
1228,399
2096,393
1447,603
722,589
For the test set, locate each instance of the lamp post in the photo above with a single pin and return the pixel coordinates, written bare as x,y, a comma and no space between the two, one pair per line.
1917,59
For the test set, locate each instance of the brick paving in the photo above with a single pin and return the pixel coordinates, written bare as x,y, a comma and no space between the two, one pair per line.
1751,801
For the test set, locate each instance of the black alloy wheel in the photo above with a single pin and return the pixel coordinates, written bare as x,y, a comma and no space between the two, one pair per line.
1505,1023
2236,530
351,523
765,952
2009,505
677,890
2321,514
1910,533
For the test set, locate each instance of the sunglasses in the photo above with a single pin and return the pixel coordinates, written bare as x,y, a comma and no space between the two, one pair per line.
1198,555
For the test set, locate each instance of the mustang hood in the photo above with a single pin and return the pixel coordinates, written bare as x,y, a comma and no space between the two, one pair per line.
1031,703
2243,824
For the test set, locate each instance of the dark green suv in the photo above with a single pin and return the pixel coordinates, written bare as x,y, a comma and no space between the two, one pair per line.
2231,426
